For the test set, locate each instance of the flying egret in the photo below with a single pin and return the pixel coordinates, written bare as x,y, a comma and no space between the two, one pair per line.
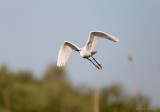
85,52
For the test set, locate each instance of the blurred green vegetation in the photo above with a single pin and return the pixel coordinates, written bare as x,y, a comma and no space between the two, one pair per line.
20,91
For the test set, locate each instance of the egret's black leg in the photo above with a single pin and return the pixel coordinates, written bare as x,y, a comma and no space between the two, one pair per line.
93,63
97,62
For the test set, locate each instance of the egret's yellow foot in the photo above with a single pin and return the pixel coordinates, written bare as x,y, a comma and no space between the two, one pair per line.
100,65
97,67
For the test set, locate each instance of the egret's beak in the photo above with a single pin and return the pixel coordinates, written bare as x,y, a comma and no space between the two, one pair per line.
77,50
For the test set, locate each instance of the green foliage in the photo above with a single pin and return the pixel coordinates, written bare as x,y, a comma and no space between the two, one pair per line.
21,92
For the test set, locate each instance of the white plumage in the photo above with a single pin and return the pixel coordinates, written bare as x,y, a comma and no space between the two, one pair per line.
87,51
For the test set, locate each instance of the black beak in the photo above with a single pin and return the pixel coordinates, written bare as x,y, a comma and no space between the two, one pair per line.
77,50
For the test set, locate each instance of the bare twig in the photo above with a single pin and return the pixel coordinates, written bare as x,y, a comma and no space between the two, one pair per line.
96,93
138,104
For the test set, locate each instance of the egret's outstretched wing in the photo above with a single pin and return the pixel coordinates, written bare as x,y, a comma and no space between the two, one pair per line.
64,52
95,35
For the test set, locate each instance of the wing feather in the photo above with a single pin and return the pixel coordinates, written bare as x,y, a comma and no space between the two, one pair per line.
64,52
95,35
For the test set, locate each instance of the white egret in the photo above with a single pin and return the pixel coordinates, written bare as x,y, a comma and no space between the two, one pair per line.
85,52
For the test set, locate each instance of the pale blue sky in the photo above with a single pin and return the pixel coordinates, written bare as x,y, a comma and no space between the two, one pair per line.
31,32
